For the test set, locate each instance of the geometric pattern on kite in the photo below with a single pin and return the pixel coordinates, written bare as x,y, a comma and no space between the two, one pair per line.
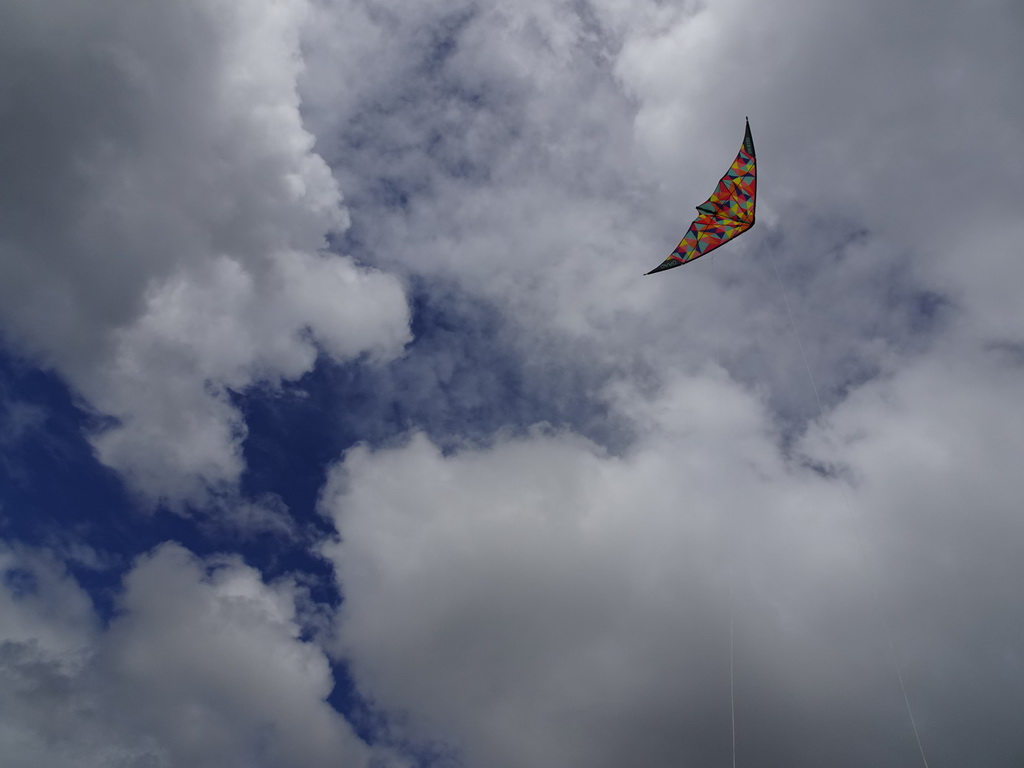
729,211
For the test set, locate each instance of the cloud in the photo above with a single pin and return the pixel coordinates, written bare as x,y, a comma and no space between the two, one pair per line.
164,220
203,665
562,595
541,600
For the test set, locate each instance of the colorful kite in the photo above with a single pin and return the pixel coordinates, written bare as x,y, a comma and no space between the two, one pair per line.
727,213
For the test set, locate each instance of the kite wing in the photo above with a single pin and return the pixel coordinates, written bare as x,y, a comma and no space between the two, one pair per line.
727,213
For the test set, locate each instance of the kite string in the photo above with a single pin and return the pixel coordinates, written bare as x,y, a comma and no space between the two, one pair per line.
732,571
854,521
732,678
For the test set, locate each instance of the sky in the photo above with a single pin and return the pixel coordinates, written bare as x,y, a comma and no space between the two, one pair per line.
339,425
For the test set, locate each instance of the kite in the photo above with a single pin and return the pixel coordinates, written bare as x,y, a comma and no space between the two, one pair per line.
729,211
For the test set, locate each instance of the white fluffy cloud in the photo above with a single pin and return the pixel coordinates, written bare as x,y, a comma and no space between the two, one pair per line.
203,666
541,601
163,218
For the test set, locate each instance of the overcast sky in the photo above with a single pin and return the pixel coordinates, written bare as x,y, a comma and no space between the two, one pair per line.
340,427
